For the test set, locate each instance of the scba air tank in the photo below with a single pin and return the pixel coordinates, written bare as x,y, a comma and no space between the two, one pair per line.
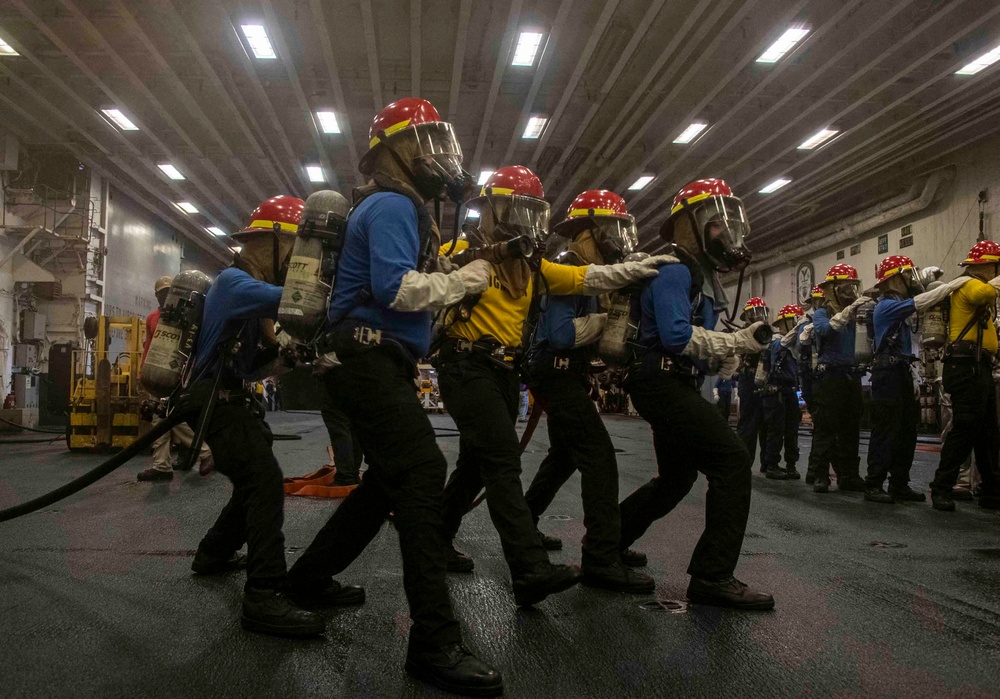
176,333
312,268
622,325
863,336
933,323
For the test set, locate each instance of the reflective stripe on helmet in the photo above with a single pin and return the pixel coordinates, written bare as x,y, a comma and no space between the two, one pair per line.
389,132
269,225
575,213
692,200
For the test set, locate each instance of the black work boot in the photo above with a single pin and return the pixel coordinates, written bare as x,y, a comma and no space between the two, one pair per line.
459,562
878,495
906,494
550,543
207,564
454,669
617,577
821,487
152,474
942,502
793,475
634,559
729,592
532,588
853,484
272,612
776,474
333,595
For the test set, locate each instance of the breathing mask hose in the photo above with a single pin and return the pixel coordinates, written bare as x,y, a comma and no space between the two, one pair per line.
516,249
95,474
736,301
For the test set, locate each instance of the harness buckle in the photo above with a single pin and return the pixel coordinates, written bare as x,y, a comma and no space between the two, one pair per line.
561,363
367,336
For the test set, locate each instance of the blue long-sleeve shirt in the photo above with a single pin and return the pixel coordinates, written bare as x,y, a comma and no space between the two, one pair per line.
381,245
235,300
781,365
891,314
555,333
667,311
835,347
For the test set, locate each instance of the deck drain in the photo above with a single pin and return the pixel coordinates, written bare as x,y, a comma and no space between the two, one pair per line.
887,545
671,606
558,518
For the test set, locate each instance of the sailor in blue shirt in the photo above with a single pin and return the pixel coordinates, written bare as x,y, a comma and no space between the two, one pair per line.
782,414
600,231
389,284
679,308
837,383
895,410
243,301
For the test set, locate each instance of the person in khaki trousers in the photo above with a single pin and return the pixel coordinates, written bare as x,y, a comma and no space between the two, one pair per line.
182,434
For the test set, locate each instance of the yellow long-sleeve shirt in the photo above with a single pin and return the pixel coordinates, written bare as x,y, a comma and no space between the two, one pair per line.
501,316
965,302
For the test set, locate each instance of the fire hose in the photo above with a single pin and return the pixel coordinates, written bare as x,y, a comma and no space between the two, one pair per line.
95,474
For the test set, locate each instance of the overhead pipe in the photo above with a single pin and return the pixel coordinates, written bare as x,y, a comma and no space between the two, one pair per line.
918,198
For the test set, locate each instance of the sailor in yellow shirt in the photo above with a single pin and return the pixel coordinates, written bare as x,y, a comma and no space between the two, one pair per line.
479,380
968,378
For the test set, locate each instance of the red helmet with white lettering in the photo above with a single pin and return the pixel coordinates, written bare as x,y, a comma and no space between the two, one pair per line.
893,265
605,215
982,253
754,310
512,204
718,219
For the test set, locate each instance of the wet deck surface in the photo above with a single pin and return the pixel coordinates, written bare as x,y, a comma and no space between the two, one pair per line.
96,596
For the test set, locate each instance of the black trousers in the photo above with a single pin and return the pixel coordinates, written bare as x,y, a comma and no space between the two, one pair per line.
241,444
836,426
725,404
806,384
578,440
751,423
690,436
406,473
974,409
782,416
482,398
347,452
895,414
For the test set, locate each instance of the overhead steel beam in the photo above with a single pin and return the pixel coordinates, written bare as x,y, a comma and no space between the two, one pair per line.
278,37
238,108
547,57
371,49
343,118
191,103
502,57
461,37
415,48
139,84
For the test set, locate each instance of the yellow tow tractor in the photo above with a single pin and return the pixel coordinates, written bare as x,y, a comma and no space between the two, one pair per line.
106,395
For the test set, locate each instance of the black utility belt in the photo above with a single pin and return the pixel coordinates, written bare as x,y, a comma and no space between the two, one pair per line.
656,362
966,349
893,361
504,355
838,370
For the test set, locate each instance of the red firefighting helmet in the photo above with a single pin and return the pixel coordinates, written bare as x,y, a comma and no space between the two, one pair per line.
278,214
891,266
792,311
817,293
755,309
982,253
419,118
712,201
606,215
513,202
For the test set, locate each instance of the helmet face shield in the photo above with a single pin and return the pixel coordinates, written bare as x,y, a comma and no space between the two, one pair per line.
755,314
846,291
437,159
506,217
615,237
723,225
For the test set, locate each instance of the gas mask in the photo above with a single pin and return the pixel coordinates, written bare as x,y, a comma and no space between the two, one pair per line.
615,238
845,292
515,216
435,160
722,226
754,315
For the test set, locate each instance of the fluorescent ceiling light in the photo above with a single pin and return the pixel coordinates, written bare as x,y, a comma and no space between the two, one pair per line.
328,122
472,214
170,171
819,139
527,47
7,50
315,173
259,43
691,132
120,120
984,61
535,127
775,186
483,176
216,231
640,183
783,45
187,207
